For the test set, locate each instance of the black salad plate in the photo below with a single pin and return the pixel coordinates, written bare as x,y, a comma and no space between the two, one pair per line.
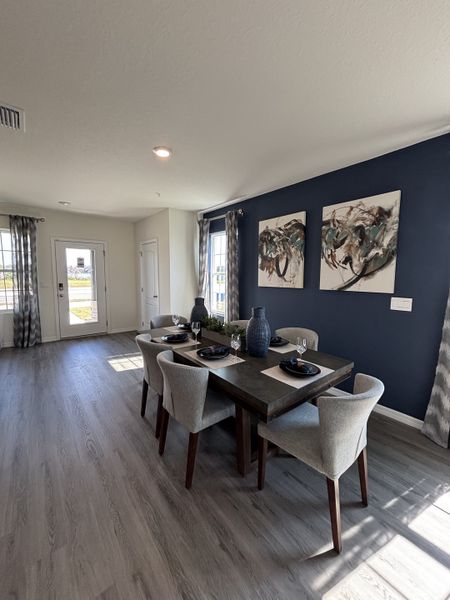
214,352
278,341
175,338
302,369
184,326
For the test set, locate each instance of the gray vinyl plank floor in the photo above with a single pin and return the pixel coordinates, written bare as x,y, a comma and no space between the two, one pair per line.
88,509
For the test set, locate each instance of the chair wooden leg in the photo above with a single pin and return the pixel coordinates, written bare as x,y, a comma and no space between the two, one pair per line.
335,512
363,478
159,417
192,452
163,434
262,457
144,397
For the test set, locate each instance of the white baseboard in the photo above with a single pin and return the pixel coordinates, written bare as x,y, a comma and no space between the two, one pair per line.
10,343
121,330
398,416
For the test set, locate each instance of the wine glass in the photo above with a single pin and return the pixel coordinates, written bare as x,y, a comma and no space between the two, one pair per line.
235,342
195,327
175,320
302,346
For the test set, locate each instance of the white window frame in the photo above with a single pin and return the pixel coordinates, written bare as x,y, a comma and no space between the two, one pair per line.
213,312
5,311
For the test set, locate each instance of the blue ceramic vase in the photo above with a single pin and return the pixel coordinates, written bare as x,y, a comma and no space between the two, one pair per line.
258,333
199,311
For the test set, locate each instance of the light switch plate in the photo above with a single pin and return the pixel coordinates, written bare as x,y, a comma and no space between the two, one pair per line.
404,304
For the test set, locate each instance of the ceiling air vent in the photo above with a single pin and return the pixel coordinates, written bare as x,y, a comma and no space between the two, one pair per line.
12,117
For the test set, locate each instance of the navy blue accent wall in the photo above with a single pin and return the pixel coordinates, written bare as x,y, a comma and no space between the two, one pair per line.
398,347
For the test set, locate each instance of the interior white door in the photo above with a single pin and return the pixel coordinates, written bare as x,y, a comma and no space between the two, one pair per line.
81,289
149,282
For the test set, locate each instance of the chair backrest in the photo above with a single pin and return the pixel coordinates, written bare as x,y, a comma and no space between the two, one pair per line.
240,323
164,321
185,391
343,424
292,333
152,372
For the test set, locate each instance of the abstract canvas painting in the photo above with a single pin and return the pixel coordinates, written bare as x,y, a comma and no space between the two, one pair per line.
359,244
281,251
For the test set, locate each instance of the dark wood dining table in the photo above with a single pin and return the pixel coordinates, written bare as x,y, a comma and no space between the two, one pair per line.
254,393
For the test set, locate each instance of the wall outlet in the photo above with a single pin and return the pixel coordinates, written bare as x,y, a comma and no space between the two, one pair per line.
404,304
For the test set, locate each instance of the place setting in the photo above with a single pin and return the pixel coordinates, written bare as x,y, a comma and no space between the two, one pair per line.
281,345
182,334
218,356
295,371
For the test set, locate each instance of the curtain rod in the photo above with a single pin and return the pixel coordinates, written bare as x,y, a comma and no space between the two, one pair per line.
40,219
239,213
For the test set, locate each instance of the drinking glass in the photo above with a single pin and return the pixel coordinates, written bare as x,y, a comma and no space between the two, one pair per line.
235,343
195,327
175,319
301,346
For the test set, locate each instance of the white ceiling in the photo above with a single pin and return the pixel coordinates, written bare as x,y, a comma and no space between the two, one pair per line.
251,95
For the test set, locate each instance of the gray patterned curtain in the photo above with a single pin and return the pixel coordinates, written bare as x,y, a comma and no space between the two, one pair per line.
27,323
203,228
436,425
232,295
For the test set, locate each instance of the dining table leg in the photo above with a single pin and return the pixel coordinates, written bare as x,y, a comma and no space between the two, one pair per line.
243,441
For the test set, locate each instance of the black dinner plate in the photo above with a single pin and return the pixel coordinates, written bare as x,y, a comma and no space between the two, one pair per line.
214,352
184,326
302,369
174,338
278,341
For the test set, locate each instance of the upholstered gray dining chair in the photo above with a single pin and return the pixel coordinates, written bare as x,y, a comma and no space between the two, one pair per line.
329,438
189,401
292,333
152,374
164,321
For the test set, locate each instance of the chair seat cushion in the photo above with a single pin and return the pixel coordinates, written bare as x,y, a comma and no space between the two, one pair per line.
297,432
217,408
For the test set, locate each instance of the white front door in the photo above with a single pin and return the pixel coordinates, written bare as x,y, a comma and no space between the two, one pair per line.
81,290
148,256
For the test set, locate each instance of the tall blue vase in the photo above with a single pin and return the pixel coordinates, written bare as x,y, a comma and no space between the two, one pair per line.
199,311
258,333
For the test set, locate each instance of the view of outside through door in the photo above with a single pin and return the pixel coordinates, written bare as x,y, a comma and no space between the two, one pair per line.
82,288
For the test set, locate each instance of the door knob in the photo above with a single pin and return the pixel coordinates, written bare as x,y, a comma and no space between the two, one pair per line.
61,295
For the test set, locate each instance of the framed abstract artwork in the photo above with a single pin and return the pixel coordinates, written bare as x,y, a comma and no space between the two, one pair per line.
281,250
359,244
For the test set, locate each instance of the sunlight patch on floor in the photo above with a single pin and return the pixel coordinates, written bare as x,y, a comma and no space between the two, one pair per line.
433,523
126,362
398,570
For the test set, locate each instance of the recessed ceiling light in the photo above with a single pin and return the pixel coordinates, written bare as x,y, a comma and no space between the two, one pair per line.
162,151
64,203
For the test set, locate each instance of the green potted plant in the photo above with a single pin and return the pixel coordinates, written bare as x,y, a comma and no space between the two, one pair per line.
217,331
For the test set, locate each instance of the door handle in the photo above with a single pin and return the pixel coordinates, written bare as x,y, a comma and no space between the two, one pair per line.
155,296
61,295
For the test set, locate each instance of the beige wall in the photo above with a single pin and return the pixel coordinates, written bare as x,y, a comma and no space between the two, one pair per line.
120,265
175,232
156,227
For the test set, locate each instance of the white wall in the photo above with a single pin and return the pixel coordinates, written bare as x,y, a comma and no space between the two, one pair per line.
183,279
120,264
175,232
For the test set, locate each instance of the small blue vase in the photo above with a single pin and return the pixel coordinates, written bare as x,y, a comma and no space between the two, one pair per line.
258,333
